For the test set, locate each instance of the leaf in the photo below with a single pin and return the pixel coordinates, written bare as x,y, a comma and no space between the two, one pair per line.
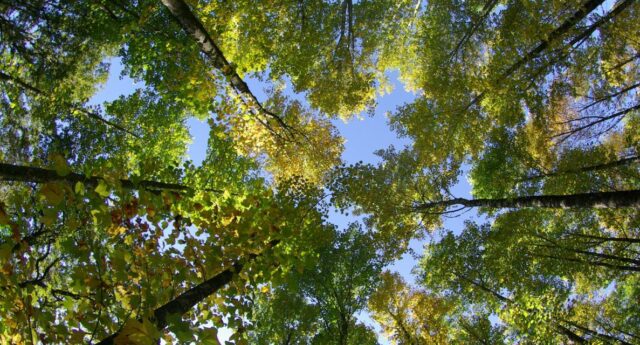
208,336
137,333
53,193
116,230
4,218
5,253
60,165
79,188
102,189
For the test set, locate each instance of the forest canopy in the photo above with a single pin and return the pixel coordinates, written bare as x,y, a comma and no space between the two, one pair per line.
110,233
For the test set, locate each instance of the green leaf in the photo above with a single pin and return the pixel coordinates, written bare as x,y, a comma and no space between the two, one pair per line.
79,188
102,189
53,193
60,165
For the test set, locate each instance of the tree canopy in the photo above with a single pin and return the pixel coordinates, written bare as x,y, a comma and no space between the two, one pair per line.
110,233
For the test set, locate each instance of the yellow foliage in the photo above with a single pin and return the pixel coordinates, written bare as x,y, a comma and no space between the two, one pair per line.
137,333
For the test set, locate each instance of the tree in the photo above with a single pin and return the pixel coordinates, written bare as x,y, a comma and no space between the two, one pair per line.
129,249
109,232
617,199
329,289
409,316
533,273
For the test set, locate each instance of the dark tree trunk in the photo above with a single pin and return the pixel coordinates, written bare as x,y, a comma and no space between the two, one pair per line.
9,172
561,329
188,299
627,198
579,15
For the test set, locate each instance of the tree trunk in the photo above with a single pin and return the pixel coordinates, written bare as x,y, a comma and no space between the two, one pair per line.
580,14
596,333
190,23
608,239
561,329
618,199
9,172
592,263
188,299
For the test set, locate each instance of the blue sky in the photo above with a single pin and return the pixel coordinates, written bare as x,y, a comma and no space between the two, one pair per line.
363,136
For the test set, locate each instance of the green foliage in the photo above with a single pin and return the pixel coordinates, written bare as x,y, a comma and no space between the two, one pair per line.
104,219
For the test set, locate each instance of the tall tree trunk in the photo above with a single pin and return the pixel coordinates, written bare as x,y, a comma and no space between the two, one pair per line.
190,23
608,239
618,199
591,263
554,35
188,299
593,254
9,172
596,333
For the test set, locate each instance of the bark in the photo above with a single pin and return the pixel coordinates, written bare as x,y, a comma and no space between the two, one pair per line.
623,63
407,336
594,254
592,263
190,23
188,299
618,199
563,52
92,115
596,334
484,288
9,172
561,329
571,335
590,168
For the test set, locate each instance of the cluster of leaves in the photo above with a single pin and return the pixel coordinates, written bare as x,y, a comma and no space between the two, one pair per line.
318,302
537,102
108,232
104,223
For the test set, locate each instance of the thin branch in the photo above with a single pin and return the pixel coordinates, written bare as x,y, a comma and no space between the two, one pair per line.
487,9
602,119
609,96
84,111
589,168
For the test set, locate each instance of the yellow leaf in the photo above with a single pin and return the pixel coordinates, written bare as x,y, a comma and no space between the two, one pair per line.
102,189
79,188
137,333
227,220
116,230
